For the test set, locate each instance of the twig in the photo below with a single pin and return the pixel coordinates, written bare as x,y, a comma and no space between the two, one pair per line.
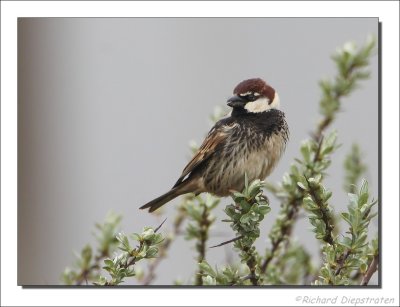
227,242
341,261
324,124
151,275
201,244
318,152
286,229
158,228
292,215
132,257
83,276
252,263
325,217
373,267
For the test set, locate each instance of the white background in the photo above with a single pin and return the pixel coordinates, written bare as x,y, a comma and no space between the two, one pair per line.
13,295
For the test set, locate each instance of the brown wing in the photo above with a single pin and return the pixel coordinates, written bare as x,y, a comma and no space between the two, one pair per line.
215,137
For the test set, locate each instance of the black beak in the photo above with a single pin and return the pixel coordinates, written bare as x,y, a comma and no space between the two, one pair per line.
236,101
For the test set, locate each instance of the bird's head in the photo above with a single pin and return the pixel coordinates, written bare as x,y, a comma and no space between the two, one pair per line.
254,96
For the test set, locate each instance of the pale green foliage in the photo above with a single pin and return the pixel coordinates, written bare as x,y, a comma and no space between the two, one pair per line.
245,215
316,203
316,154
87,266
354,168
316,158
293,267
347,258
351,63
121,265
350,253
198,210
106,233
228,276
302,187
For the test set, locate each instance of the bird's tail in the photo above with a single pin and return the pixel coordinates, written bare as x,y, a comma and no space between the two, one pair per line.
170,195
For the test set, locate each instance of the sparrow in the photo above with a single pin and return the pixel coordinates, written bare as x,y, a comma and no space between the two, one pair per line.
250,139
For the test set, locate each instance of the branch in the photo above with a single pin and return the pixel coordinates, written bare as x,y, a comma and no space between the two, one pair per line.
227,242
354,169
245,215
87,267
315,160
348,254
199,211
121,266
85,274
341,261
252,265
373,267
204,226
151,275
284,230
317,196
351,63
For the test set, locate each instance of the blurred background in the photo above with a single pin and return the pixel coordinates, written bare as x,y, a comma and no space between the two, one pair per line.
108,106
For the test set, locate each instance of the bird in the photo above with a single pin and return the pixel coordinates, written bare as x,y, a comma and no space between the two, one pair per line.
249,140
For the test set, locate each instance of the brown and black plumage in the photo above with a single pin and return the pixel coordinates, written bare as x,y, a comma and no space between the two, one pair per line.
251,140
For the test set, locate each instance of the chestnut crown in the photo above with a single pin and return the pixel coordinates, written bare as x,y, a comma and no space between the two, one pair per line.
254,96
257,87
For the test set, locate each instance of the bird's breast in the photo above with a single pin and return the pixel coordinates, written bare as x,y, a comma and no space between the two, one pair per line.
246,151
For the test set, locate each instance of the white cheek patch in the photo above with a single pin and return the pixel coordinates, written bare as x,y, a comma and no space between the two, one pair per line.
257,106
262,104
276,102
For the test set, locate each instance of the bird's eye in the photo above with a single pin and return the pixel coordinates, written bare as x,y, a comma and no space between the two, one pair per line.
251,97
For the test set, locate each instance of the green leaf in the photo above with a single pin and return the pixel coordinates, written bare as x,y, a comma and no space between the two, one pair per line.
302,180
346,217
327,196
305,151
363,268
136,237
264,210
244,219
205,267
364,187
301,185
108,262
353,198
363,199
148,234
151,252
238,196
194,212
347,242
101,281
157,239
209,281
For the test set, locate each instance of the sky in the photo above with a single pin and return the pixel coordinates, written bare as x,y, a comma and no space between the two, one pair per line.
107,108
